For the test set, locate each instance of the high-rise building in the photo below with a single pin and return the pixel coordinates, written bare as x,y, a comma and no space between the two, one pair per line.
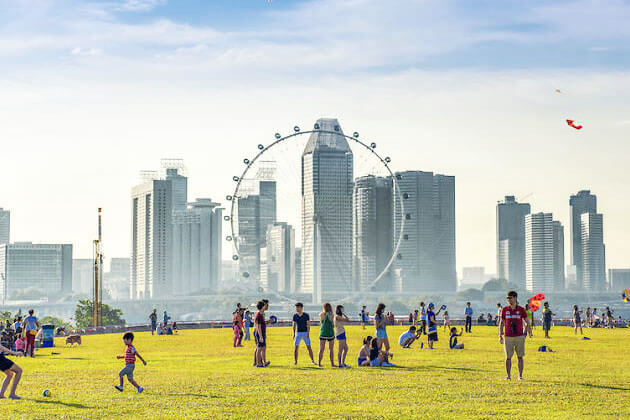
40,268
5,226
116,280
279,258
571,278
593,253
426,257
372,231
473,276
174,169
582,202
298,270
197,247
256,211
327,184
539,252
151,248
83,276
511,240
558,256
619,278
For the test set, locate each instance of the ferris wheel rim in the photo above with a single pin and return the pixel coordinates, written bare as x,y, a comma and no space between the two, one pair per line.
297,132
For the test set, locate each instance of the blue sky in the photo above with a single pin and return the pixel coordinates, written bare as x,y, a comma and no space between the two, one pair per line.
94,91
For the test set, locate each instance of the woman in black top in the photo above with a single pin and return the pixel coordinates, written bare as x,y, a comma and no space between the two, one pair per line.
11,370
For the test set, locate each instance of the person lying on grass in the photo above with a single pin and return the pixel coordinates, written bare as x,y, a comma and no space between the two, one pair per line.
12,371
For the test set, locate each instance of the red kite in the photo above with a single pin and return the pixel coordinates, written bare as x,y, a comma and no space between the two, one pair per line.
572,124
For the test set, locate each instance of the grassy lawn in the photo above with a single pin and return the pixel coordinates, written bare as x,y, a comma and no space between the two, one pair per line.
198,374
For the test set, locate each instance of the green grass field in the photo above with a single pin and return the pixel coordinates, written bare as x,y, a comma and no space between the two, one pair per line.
198,374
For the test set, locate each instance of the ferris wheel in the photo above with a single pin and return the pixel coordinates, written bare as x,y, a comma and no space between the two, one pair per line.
310,213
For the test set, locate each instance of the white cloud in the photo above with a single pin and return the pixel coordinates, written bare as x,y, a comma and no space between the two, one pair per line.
89,52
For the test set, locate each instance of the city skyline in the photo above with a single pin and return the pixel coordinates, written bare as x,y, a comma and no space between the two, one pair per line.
181,84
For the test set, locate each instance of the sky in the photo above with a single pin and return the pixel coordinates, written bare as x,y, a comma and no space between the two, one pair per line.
92,92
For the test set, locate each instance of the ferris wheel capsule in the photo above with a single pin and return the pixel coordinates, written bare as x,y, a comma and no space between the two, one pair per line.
373,145
228,238
226,218
355,134
336,128
278,136
316,126
235,257
296,129
387,159
228,197
260,147
235,178
246,161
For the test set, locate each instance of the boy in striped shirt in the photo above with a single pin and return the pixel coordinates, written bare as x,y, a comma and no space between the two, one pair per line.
130,363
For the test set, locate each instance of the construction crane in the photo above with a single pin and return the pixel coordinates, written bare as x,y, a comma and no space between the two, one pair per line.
97,303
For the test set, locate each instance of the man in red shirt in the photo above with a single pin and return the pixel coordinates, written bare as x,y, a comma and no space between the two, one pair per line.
512,318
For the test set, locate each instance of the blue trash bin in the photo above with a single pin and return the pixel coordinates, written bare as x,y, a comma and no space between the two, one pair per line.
48,335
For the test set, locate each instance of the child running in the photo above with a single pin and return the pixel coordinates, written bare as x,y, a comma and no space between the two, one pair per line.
452,341
130,363
363,359
12,371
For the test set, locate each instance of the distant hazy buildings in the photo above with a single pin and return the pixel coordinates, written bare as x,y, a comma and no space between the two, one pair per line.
197,247
83,275
593,255
327,185
116,280
174,170
473,276
5,226
151,253
619,279
372,232
44,269
544,253
511,240
582,202
281,257
426,258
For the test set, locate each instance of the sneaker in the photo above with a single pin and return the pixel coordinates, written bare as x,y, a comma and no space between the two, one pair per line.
118,387
267,364
507,378
140,390
15,397
520,378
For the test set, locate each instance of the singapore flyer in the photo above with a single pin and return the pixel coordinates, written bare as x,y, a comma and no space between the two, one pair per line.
311,215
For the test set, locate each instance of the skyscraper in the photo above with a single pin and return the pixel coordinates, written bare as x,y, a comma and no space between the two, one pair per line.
511,240
582,202
151,247
279,257
372,232
173,171
558,256
256,211
426,257
593,252
197,247
42,268
327,183
5,226
539,252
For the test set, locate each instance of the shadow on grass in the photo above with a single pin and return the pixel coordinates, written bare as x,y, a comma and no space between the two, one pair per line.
443,368
73,405
617,388
189,394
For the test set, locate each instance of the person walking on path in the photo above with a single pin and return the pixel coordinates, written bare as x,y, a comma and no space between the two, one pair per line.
511,325
30,327
469,313
326,333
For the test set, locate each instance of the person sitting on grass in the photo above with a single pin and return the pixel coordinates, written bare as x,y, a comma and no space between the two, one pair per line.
408,337
452,341
12,371
175,327
378,357
20,344
363,359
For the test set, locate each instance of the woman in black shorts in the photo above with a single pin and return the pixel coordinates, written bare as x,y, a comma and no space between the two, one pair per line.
11,370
